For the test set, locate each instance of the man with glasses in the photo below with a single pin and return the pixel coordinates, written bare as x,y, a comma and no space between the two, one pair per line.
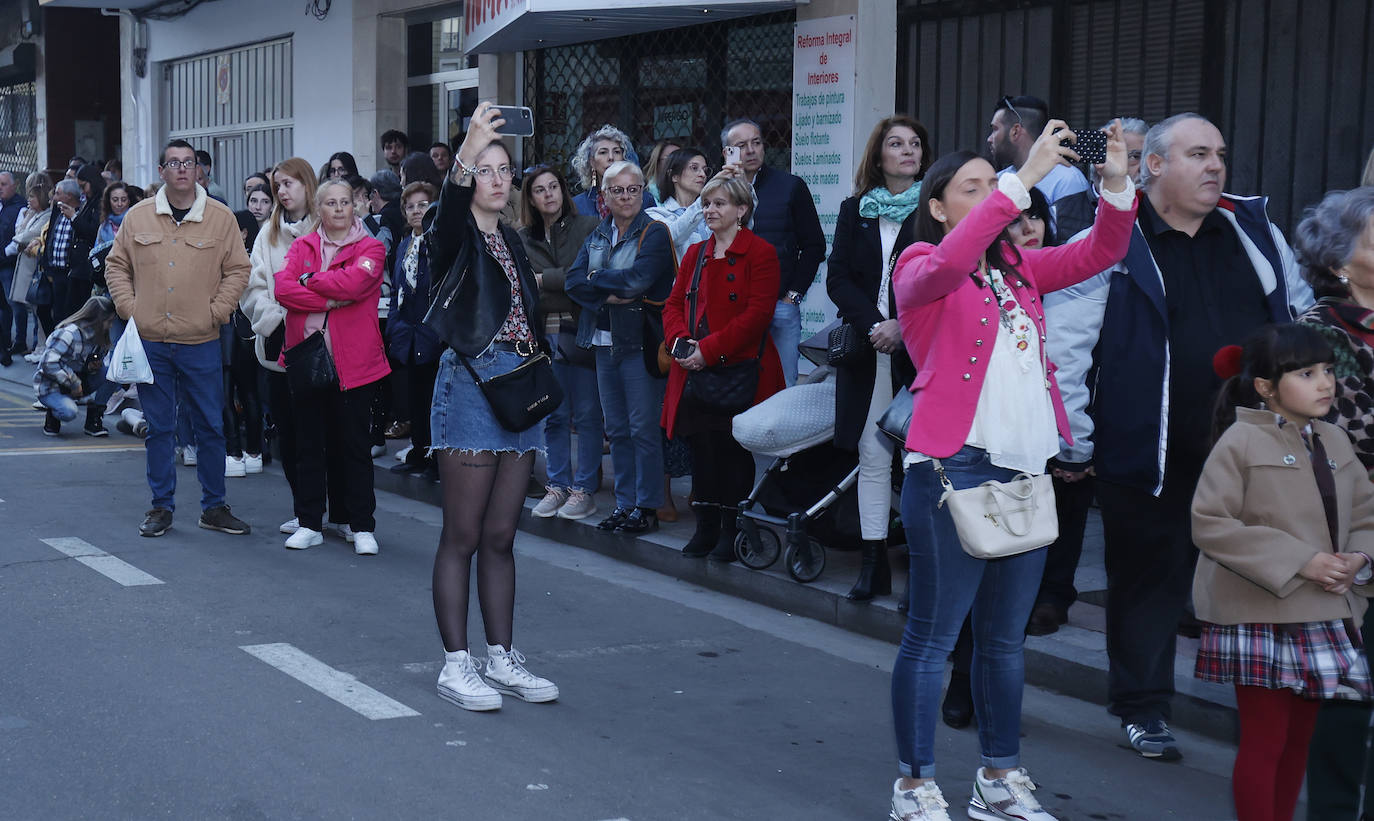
180,280
1016,124
785,216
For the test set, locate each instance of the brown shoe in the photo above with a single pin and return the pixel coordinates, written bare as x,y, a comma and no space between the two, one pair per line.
1046,619
397,430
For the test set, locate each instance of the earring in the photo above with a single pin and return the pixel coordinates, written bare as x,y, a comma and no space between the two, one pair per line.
940,218
1345,280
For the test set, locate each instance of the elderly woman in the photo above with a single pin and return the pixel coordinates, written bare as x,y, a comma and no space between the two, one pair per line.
25,248
330,285
1335,245
718,314
553,233
624,269
484,308
874,226
985,408
598,152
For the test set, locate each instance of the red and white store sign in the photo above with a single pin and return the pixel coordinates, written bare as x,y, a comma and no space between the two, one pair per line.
482,18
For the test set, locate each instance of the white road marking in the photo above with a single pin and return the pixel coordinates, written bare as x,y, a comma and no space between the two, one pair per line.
86,449
336,684
101,562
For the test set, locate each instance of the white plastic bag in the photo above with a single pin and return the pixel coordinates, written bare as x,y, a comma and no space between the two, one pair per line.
128,362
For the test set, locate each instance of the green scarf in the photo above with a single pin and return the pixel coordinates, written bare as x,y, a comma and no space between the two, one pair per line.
896,207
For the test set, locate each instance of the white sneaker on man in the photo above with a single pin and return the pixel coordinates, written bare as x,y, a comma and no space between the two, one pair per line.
364,543
304,537
234,467
460,684
506,673
924,803
251,463
552,501
188,456
290,525
1008,798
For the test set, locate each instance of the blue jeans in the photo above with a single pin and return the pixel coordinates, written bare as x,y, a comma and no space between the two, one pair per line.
786,332
633,402
945,584
63,407
581,407
195,373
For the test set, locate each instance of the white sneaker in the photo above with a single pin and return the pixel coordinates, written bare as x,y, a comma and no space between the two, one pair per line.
251,463
378,450
39,406
234,468
33,357
922,803
304,537
403,453
580,505
364,543
188,456
345,531
552,501
925,803
460,684
506,672
290,525
1006,799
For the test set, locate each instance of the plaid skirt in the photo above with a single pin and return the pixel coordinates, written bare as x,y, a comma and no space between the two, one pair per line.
1319,660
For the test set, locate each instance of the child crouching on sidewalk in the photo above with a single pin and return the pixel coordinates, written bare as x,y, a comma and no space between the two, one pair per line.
1284,518
72,366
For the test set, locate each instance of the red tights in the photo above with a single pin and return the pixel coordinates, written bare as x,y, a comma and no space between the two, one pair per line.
1275,728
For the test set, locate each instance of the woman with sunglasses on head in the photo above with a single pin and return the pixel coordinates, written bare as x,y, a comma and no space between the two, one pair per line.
485,309
985,408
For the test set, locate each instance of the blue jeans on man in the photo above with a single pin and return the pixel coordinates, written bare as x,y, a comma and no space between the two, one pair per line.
786,332
580,409
194,372
633,402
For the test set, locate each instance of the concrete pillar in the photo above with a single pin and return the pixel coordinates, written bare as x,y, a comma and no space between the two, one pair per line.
379,79
875,56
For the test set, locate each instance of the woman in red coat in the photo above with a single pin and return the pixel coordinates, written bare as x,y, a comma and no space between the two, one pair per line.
735,294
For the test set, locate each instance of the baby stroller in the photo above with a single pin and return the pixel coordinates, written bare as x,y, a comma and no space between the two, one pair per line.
808,492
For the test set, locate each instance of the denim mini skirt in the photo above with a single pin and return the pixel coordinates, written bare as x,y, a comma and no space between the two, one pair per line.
460,418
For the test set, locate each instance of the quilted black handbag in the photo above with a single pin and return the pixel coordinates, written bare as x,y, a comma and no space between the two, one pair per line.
310,365
724,389
845,344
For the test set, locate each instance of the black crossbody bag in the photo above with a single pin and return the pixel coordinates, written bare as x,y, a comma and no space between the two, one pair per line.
522,397
310,365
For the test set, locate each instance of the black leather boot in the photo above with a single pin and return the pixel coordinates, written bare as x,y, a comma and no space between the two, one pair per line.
729,528
703,541
904,603
957,709
875,574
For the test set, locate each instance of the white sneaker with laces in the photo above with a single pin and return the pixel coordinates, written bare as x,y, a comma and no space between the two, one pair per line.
304,537
251,463
460,684
234,467
403,453
346,531
290,525
1008,798
507,674
188,456
364,543
552,501
378,450
580,505
925,803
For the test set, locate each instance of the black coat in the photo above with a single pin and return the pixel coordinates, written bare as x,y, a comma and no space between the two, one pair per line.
853,276
472,299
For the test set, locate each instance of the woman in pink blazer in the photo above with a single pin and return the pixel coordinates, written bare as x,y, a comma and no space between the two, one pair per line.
985,407
334,274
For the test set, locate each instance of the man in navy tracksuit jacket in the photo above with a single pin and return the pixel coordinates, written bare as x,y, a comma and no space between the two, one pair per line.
1134,347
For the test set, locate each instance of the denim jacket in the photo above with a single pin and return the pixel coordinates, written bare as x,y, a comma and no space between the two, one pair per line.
638,266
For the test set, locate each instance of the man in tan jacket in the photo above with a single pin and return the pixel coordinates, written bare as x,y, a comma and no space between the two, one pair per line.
177,269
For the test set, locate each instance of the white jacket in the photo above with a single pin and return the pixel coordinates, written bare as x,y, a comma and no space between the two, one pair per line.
259,300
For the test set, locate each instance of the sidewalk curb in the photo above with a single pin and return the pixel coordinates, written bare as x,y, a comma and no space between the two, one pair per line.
1062,663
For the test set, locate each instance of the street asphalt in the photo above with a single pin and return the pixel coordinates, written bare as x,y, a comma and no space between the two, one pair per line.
206,676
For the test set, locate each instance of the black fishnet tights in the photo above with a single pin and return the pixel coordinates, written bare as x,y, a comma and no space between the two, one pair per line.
483,494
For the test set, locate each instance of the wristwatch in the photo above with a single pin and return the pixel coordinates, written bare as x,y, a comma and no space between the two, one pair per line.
792,296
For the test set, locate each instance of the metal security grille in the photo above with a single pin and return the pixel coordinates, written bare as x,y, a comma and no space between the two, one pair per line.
18,130
237,105
683,84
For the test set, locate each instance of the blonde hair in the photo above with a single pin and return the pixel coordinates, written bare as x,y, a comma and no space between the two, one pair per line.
737,191
300,171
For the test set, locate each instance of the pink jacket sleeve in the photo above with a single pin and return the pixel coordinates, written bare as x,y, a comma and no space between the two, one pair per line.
360,278
925,272
290,292
1063,265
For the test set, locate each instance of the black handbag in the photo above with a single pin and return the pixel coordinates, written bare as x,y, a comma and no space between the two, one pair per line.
521,398
845,344
724,389
896,420
310,365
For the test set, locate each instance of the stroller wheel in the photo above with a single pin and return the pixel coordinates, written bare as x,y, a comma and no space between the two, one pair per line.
805,561
760,552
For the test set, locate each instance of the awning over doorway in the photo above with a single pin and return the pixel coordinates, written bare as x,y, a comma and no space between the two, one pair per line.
493,26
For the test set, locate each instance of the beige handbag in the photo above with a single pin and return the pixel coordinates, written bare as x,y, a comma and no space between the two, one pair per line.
998,519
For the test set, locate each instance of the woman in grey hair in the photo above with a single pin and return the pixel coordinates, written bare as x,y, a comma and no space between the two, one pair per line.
1335,246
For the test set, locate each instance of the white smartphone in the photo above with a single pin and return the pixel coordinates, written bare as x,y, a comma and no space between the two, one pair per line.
732,155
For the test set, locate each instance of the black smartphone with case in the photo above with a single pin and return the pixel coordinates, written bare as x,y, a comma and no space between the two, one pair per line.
519,121
1091,147
682,348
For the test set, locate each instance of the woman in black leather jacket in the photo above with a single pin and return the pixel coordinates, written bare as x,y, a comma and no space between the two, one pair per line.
485,310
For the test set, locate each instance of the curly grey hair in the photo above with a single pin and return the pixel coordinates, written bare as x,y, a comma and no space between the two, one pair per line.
1326,238
582,157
